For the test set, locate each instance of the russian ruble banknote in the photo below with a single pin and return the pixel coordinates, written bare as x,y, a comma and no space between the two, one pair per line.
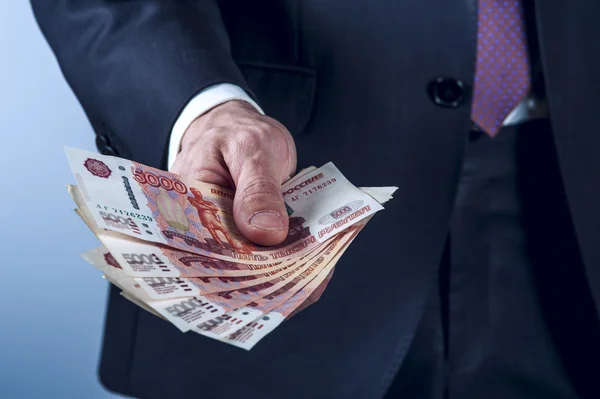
171,246
160,207
190,311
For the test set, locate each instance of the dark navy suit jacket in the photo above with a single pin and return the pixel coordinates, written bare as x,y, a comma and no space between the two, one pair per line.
382,88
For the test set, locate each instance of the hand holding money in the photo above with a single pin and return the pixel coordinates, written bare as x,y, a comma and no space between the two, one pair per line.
235,146
171,244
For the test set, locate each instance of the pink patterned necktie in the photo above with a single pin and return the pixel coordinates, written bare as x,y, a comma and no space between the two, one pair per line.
502,78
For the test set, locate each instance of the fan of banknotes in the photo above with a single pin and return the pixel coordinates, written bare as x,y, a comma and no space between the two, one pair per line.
170,243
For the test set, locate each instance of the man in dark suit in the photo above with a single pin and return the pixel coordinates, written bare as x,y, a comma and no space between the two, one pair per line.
480,280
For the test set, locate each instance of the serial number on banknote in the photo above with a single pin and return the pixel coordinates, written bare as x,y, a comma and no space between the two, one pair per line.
319,187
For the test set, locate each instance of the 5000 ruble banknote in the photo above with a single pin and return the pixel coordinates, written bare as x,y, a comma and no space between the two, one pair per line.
161,207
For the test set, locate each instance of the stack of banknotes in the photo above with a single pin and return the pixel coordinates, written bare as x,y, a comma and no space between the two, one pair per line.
170,243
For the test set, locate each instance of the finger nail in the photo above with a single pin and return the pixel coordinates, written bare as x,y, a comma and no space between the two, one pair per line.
266,220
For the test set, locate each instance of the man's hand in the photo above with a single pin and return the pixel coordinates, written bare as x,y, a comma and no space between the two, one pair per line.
233,145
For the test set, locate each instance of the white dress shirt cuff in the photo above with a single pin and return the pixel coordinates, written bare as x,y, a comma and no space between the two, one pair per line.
204,101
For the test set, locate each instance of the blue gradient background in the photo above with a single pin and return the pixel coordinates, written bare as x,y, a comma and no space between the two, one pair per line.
52,302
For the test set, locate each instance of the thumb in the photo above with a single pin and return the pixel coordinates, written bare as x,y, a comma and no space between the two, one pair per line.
258,208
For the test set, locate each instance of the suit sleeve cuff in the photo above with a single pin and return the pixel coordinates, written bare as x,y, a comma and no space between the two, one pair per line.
203,102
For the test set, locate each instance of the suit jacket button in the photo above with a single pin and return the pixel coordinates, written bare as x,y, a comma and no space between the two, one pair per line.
103,146
108,150
447,92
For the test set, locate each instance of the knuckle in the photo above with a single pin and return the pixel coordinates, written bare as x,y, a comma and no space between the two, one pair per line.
248,139
264,129
275,124
259,133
